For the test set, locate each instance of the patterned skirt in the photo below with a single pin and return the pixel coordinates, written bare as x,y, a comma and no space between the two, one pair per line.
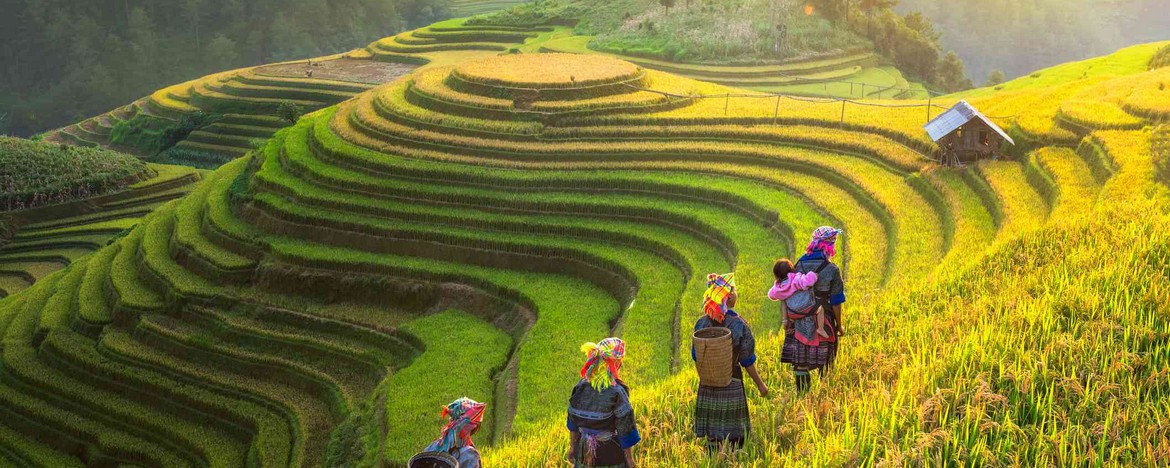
607,454
722,413
807,357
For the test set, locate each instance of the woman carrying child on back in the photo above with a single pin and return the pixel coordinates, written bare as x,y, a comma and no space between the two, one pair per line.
814,292
794,288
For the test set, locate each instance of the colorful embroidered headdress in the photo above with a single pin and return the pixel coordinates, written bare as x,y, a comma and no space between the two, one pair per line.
824,239
602,362
719,287
465,416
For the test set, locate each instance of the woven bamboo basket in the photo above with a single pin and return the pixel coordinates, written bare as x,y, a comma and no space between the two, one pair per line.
713,356
433,460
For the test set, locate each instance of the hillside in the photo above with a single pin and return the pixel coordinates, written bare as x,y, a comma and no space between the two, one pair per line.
483,216
240,107
1040,33
784,47
63,60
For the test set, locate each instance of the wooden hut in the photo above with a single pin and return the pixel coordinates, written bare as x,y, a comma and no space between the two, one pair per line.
964,134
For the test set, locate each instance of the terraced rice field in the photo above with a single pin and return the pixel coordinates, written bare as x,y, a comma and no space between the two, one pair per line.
314,302
246,98
51,238
850,75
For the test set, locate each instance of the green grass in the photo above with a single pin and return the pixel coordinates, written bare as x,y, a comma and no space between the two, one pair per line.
459,348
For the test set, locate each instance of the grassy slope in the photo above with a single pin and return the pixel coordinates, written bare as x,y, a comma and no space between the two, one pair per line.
1127,61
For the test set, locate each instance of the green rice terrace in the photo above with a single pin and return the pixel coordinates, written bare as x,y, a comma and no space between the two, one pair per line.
245,102
461,229
62,203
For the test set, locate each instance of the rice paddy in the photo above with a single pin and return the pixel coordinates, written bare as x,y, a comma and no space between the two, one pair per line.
462,230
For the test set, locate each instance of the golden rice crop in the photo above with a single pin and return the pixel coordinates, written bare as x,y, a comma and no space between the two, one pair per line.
1023,208
432,83
1151,96
547,71
1098,115
1076,187
974,226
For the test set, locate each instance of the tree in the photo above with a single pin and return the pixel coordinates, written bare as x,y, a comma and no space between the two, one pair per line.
871,7
221,52
191,12
995,78
289,111
951,75
666,4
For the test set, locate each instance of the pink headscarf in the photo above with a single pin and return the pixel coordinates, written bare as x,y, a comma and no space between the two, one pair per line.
824,239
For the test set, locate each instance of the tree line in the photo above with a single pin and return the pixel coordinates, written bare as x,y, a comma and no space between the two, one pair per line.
64,60
909,40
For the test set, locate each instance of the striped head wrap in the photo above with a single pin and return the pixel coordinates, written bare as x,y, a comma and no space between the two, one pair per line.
465,415
719,287
602,362
824,239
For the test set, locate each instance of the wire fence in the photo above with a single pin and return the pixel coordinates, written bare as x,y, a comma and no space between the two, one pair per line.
928,107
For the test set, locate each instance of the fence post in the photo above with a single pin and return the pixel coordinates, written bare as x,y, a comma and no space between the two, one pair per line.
842,113
776,111
726,100
928,101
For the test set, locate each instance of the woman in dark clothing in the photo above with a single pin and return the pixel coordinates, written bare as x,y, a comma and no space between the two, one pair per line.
804,352
465,416
721,413
601,419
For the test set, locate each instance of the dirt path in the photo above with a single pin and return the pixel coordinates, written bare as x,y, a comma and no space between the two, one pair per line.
358,71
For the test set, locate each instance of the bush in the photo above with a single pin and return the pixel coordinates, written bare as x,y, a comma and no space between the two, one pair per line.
142,134
289,111
38,174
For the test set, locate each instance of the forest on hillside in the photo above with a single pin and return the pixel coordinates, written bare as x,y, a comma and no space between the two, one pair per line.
64,60
1019,36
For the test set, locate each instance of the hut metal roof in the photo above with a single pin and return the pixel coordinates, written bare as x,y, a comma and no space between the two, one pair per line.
956,117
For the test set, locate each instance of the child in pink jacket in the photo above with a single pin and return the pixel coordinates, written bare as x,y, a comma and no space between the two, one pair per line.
789,282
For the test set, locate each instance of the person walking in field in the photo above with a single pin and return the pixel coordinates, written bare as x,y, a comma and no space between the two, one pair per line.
601,420
721,413
454,446
805,349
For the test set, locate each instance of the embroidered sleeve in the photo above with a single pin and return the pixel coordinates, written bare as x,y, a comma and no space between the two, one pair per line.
837,288
747,347
627,428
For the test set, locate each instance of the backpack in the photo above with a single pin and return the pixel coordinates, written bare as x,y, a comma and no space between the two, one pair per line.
804,301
